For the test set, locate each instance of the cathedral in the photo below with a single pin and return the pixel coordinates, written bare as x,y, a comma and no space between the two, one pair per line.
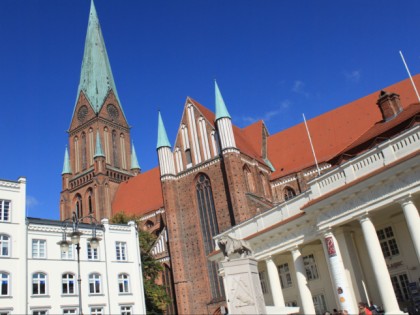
218,178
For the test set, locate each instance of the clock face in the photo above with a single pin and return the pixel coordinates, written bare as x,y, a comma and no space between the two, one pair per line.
112,111
82,113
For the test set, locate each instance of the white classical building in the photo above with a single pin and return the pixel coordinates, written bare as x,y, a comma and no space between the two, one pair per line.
38,278
353,236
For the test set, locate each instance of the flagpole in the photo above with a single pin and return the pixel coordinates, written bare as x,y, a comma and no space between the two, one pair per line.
409,74
312,147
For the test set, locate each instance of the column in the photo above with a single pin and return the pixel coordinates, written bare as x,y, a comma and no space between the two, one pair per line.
379,267
275,285
413,222
304,292
341,286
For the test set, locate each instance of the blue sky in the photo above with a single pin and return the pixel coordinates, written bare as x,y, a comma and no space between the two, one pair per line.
273,60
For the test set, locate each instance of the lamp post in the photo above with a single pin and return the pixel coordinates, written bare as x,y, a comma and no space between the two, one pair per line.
75,240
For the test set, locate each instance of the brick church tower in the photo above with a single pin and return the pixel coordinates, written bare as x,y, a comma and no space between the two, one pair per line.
98,157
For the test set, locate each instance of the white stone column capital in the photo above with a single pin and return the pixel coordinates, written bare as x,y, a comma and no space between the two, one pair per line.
405,200
364,217
295,250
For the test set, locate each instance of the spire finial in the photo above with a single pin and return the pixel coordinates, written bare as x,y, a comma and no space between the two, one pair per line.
66,165
162,136
221,110
134,162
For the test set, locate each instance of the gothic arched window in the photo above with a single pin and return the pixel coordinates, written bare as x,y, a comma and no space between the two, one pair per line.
84,151
79,206
209,228
249,179
264,184
89,197
288,193
115,148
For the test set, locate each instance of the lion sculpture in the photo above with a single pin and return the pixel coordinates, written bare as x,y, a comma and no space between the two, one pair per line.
229,245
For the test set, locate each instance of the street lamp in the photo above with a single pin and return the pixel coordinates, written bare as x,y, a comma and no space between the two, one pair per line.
75,240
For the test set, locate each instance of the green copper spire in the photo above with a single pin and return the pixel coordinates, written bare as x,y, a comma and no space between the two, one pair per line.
221,110
66,165
96,78
98,149
134,163
162,137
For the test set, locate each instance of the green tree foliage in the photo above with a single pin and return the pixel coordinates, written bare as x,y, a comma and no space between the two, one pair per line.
156,296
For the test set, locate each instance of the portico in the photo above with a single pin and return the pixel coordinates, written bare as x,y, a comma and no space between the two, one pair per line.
335,246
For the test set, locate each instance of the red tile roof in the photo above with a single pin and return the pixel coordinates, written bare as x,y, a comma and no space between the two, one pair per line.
289,150
140,194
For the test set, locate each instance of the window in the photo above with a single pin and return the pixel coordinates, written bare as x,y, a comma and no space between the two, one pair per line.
121,248
38,249
263,282
68,254
285,277
92,253
39,312
291,304
94,283
310,266
90,202
249,179
319,304
188,157
126,310
39,284
123,283
79,206
96,311
114,148
4,210
289,193
264,184
68,283
209,228
400,284
388,242
5,284
70,311
4,245
84,152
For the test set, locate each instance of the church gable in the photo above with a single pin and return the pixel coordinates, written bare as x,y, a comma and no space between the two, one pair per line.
196,141
83,112
112,111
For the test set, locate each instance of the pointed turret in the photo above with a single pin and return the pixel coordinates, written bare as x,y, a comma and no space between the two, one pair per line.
223,121
66,165
165,156
221,110
96,79
163,140
98,148
135,167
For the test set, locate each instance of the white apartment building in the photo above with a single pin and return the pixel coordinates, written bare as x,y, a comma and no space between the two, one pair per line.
38,278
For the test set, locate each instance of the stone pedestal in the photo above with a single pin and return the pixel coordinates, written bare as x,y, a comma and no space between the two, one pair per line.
243,288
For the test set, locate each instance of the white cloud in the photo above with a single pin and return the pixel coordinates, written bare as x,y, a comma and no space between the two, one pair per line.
353,76
268,115
299,88
31,202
